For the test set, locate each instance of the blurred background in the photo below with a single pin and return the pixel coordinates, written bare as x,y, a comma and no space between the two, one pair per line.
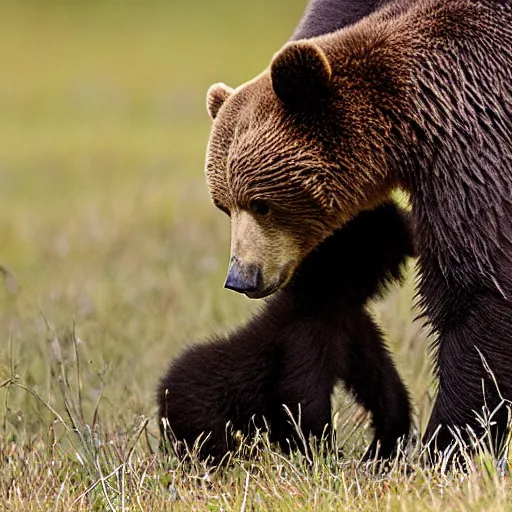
105,222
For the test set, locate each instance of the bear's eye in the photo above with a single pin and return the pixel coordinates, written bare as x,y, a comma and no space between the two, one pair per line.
259,207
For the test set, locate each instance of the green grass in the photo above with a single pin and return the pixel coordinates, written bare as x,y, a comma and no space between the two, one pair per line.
113,260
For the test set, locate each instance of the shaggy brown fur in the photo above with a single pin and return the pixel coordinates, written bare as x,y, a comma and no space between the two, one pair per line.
308,336
417,94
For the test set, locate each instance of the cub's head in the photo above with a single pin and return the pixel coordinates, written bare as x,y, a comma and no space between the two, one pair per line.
293,155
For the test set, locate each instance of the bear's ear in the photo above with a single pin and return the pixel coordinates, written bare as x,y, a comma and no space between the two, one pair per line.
217,94
300,74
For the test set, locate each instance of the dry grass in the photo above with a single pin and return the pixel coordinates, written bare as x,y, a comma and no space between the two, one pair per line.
112,259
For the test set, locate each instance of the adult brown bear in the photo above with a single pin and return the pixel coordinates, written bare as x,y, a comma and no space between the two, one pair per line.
417,94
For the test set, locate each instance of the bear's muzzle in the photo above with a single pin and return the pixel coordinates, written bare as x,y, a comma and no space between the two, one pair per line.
243,278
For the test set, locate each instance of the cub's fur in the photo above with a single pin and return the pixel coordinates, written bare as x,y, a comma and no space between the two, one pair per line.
307,337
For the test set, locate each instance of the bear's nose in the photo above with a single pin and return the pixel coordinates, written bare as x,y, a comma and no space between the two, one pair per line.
242,278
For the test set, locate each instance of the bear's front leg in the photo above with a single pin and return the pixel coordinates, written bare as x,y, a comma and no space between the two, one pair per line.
372,377
303,394
469,407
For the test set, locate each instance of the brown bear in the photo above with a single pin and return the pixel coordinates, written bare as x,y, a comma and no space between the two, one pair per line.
308,336
417,94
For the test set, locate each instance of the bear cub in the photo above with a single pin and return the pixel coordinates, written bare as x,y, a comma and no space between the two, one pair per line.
307,337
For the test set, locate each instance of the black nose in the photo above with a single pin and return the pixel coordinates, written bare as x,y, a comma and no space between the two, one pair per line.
242,278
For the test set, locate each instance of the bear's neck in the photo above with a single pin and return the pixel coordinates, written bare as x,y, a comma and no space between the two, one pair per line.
456,162
453,153
451,140
463,236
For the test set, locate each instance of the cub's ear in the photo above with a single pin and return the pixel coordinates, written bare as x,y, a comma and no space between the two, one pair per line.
300,74
217,94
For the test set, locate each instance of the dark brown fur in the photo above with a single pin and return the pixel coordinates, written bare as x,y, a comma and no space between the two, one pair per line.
324,16
417,94
308,336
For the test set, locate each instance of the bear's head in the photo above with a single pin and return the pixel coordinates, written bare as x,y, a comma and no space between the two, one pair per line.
298,151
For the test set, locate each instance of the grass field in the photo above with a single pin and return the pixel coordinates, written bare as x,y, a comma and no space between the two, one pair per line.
112,260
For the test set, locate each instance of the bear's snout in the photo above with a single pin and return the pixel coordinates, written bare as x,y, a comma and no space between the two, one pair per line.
243,278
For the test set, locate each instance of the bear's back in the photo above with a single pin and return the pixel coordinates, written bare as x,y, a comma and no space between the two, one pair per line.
325,16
